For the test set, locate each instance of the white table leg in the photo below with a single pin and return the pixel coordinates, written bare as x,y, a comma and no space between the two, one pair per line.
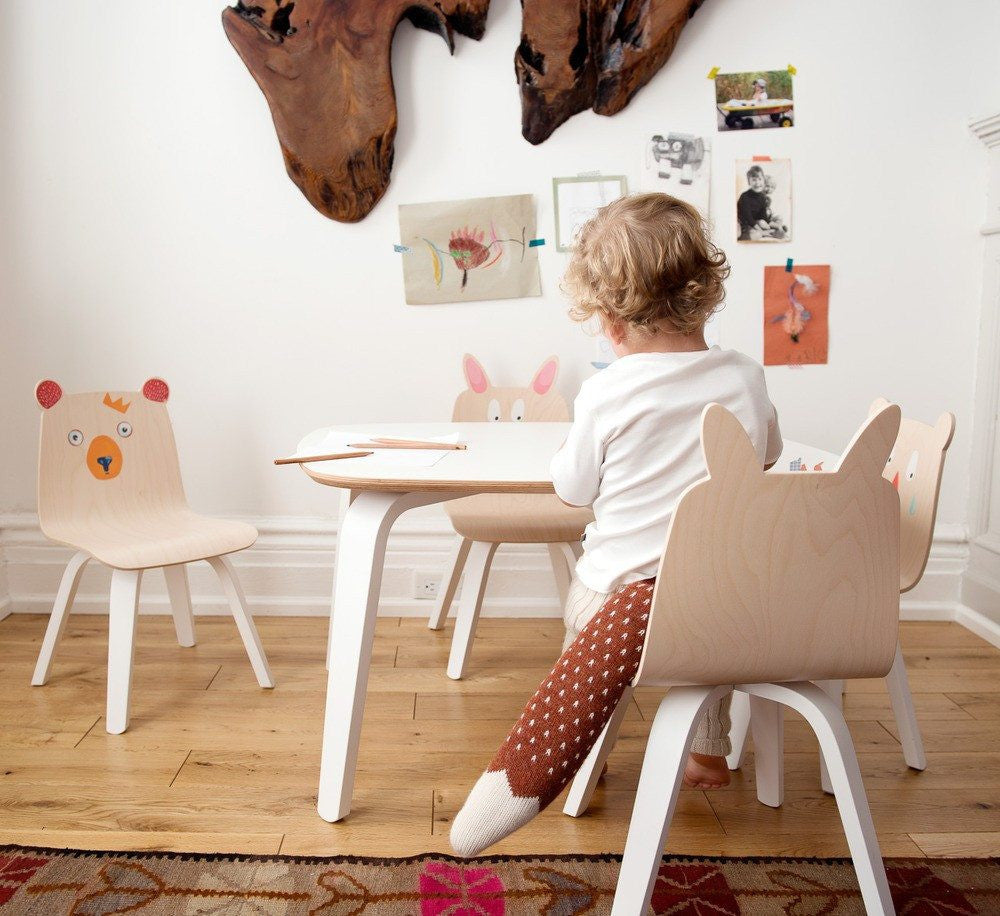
360,554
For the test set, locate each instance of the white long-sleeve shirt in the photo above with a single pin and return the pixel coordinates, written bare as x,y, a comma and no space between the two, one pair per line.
635,446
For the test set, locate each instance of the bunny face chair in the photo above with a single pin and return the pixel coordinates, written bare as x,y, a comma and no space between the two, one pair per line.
485,522
914,468
109,485
768,582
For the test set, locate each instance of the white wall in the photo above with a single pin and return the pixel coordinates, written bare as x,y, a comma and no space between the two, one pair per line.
148,226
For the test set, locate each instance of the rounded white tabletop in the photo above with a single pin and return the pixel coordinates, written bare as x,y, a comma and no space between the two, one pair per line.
499,458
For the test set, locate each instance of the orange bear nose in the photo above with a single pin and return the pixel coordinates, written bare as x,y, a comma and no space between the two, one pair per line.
104,458
895,480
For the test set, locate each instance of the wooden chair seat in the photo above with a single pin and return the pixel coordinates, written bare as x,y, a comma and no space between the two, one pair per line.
517,519
147,541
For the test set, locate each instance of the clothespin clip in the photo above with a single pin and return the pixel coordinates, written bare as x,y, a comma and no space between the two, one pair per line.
713,73
792,71
788,266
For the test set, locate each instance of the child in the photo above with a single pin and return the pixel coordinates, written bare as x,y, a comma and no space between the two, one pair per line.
645,267
753,209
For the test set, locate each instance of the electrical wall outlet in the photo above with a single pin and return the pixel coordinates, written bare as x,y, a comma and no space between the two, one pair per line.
425,585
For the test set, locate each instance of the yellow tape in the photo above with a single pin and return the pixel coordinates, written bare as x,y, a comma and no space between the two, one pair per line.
792,70
713,73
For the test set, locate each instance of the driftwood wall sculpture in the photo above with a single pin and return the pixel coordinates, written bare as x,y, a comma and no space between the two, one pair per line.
324,68
577,54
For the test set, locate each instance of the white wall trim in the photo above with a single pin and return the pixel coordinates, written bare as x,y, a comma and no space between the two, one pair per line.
289,572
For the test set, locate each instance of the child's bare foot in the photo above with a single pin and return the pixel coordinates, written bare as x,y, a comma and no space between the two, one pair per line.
704,771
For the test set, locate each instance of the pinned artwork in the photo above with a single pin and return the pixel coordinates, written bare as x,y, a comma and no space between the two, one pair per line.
577,199
796,314
762,98
678,164
466,250
764,199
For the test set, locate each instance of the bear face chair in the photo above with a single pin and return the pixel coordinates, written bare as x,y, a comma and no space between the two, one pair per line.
109,486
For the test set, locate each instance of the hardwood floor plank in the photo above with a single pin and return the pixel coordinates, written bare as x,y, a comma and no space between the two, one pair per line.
959,845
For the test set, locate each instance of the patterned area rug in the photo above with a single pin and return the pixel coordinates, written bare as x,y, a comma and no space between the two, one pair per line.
53,881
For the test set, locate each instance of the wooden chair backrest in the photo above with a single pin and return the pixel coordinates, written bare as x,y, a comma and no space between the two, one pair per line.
105,455
914,467
483,401
778,577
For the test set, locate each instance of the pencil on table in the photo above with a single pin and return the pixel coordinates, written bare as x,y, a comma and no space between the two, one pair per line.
309,458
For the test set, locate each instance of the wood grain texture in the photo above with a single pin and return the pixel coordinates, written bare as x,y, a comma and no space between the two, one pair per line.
212,764
136,516
778,577
324,68
590,54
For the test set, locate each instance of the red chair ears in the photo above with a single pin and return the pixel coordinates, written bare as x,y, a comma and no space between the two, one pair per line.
48,393
155,389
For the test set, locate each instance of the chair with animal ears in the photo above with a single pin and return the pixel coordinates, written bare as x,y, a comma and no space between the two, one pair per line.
486,521
768,583
109,486
915,467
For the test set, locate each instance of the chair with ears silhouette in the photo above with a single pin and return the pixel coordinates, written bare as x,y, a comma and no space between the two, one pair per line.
768,582
486,521
914,467
109,485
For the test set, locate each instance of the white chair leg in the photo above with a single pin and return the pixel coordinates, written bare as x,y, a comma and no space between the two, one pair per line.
180,602
581,790
469,606
60,614
827,721
906,716
561,569
121,646
768,728
656,798
244,622
456,563
835,691
739,716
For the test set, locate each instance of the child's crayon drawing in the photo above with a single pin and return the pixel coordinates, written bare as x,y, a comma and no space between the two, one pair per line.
796,315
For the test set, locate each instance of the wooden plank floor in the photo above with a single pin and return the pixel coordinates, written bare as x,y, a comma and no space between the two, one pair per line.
213,763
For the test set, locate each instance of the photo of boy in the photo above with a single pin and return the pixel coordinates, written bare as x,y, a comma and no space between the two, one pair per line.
760,207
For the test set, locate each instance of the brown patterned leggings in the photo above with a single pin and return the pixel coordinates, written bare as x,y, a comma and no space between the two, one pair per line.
713,731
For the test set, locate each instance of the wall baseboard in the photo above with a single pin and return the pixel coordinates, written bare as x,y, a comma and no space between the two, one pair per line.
978,623
289,572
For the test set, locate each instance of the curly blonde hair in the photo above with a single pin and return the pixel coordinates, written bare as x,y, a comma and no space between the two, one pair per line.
646,260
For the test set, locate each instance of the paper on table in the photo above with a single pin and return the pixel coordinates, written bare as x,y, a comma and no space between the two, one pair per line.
330,440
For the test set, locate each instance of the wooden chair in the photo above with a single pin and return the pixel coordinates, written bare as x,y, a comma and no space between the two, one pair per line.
109,485
485,522
914,468
768,583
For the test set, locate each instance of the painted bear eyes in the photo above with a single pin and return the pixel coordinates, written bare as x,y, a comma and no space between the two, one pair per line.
75,437
124,429
493,412
517,410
